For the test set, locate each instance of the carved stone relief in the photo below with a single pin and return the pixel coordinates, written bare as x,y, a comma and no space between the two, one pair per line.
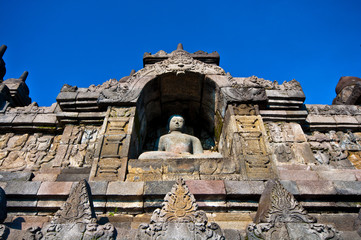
280,216
12,155
288,143
76,218
256,82
179,218
76,147
111,163
250,147
335,148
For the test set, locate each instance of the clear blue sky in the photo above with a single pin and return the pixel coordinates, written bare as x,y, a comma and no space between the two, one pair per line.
88,42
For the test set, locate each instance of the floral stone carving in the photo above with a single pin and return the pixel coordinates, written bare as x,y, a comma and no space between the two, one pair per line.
280,216
179,62
179,218
76,218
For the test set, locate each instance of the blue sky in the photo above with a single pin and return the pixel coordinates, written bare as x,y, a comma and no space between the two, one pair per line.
88,42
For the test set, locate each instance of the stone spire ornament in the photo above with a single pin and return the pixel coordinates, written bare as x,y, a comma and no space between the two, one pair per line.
76,218
280,216
179,219
180,46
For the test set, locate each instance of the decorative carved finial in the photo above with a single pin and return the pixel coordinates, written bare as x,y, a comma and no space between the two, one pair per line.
24,76
131,73
278,205
179,218
78,208
180,46
76,219
179,204
279,211
2,50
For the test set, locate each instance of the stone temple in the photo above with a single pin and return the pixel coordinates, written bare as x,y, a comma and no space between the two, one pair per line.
180,150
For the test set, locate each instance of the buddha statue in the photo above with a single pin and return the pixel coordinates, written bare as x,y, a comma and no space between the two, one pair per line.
177,144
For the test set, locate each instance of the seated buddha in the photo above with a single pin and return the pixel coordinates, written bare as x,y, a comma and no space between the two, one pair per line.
177,144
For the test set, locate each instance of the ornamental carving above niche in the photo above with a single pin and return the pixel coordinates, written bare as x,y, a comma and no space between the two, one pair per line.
179,62
179,218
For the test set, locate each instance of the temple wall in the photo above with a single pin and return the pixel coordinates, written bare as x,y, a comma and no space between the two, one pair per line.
253,131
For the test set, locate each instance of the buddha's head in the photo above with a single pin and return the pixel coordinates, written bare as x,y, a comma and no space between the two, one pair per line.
176,123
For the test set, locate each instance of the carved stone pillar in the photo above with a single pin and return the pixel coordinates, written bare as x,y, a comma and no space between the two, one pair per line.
110,160
244,140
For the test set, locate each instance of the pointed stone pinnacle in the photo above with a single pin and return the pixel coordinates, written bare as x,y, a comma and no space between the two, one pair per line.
180,46
2,50
24,76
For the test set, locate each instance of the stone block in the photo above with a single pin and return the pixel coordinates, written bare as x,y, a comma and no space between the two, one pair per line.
55,188
24,119
324,120
98,188
22,188
239,188
125,189
7,118
188,166
303,153
348,187
50,204
70,177
341,221
145,166
66,96
145,177
157,189
22,205
45,177
45,119
290,186
293,167
15,176
87,95
348,120
309,187
298,175
337,175
213,189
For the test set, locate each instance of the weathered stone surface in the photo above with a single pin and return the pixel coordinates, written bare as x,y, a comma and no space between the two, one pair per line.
309,187
155,188
55,188
290,186
15,176
125,196
337,175
348,187
298,175
239,188
203,187
125,188
22,188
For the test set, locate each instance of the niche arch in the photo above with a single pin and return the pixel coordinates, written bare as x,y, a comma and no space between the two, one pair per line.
191,95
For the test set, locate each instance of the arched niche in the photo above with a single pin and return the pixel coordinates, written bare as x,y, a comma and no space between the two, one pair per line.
191,95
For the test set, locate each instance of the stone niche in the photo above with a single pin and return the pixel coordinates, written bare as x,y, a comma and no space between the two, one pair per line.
190,95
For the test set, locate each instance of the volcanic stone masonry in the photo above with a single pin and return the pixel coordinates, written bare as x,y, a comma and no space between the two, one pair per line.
243,157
